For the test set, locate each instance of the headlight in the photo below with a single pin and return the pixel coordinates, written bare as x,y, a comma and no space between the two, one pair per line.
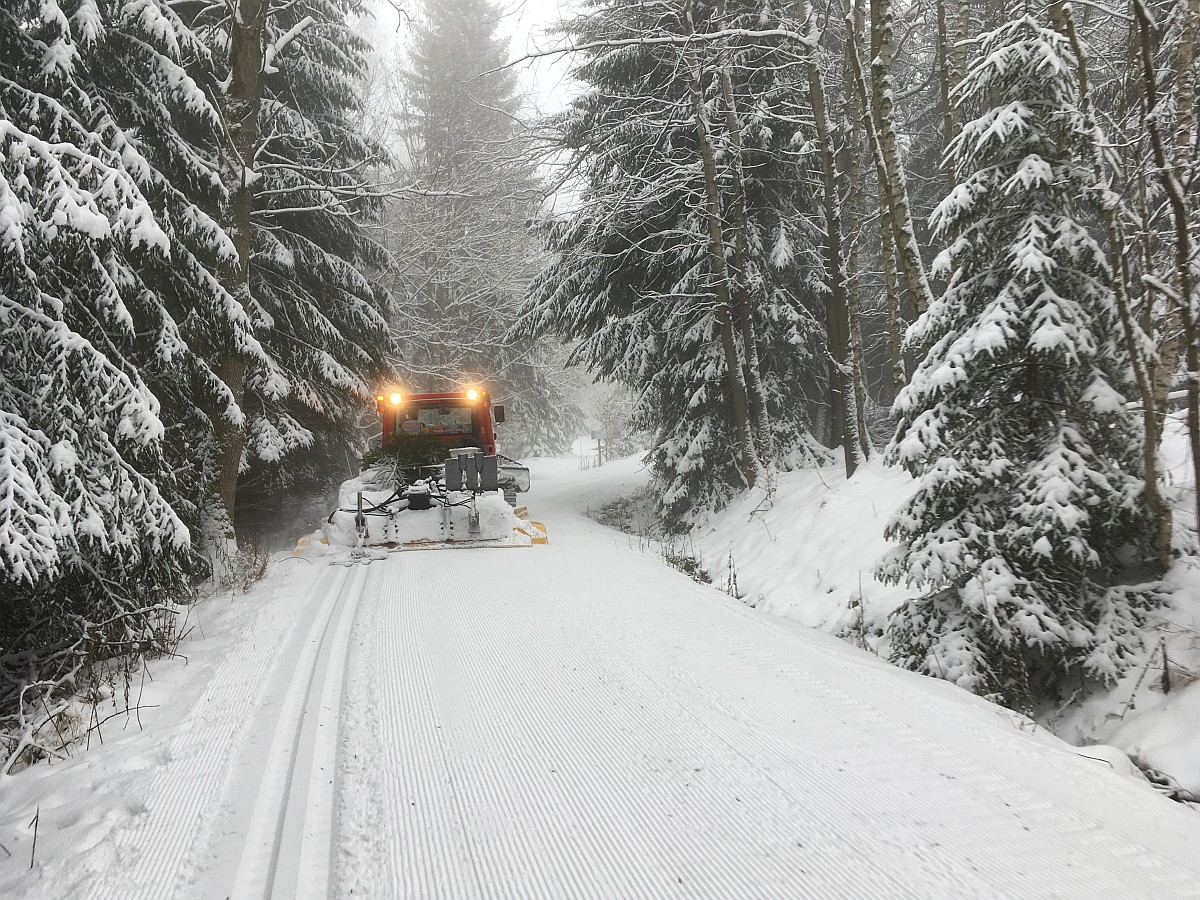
472,395
395,398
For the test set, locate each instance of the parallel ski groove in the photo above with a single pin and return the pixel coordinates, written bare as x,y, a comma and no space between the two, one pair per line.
312,801
161,850
289,837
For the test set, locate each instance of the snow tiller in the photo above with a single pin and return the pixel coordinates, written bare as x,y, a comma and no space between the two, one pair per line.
436,480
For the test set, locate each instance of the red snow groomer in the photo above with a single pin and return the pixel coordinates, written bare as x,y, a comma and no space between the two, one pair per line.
451,417
438,450
461,421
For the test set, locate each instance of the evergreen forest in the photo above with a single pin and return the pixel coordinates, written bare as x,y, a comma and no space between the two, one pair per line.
956,235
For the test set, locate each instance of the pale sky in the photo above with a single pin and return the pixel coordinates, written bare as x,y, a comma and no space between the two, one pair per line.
525,22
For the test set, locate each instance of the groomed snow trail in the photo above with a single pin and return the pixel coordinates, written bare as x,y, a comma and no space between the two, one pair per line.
575,721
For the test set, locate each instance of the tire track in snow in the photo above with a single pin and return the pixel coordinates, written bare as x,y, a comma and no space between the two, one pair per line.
289,841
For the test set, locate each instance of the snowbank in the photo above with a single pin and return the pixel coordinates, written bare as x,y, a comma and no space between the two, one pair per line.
809,555
811,552
1167,737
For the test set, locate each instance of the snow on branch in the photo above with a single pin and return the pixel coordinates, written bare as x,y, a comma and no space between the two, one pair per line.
281,44
679,40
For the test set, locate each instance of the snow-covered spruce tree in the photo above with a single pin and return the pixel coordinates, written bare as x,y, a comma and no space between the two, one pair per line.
308,290
1015,422
152,107
461,240
634,280
319,312
88,544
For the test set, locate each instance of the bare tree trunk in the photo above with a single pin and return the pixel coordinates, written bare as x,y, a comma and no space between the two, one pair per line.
891,284
852,227
855,29
958,58
993,14
945,79
897,187
838,312
1169,173
1185,109
757,393
952,60
1135,338
858,394
747,457
1169,325
243,104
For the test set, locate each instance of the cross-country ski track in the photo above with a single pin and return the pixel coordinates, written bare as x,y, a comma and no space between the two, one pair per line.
579,721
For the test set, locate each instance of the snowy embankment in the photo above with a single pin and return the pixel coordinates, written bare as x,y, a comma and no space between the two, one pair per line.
1153,713
810,555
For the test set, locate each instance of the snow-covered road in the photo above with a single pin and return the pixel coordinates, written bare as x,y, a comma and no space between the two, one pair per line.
579,721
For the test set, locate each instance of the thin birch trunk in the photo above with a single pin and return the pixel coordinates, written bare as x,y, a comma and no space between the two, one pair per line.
945,77
838,314
852,310
897,187
952,59
1177,200
1169,325
741,295
747,457
1135,338
855,28
1185,109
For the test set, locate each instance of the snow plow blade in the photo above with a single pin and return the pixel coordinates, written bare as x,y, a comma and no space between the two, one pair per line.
422,517
536,532
513,473
497,544
527,534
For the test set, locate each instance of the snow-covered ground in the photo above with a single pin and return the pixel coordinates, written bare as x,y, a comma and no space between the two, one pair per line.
811,551
570,720
810,554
